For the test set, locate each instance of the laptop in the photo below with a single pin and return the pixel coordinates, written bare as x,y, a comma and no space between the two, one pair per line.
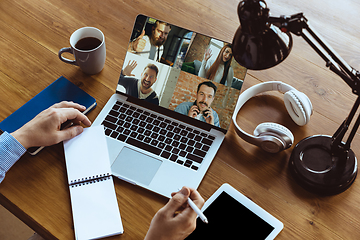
165,124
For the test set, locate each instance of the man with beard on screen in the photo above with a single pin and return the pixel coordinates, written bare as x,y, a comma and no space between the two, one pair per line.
140,88
151,46
201,108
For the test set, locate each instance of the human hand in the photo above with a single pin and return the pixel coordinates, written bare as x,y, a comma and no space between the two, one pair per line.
127,71
209,116
176,220
193,111
139,44
44,129
208,54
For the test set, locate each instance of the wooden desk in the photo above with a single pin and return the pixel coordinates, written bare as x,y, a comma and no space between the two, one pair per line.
35,189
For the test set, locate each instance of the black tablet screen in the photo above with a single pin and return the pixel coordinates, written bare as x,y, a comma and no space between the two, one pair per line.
229,219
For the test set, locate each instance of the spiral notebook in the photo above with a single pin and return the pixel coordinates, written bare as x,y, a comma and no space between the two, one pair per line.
93,199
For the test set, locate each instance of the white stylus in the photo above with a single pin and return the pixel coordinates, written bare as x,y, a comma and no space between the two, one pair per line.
197,210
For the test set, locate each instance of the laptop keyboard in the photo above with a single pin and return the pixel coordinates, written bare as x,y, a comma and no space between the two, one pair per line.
156,134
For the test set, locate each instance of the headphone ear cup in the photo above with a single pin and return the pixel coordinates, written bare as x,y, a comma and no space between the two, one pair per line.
275,137
298,106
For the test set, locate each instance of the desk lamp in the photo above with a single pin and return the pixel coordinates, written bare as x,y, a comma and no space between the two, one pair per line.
321,164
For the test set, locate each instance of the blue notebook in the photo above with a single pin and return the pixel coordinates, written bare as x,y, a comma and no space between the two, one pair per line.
60,90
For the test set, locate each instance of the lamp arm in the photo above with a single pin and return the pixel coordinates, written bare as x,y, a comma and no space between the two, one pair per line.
298,25
337,66
337,144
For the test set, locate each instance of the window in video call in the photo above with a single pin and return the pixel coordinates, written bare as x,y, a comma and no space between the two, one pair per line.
183,71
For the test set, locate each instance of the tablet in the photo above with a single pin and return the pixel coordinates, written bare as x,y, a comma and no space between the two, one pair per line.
231,215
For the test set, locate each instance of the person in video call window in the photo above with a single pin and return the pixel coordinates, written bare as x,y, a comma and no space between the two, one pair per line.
218,70
201,108
151,46
140,88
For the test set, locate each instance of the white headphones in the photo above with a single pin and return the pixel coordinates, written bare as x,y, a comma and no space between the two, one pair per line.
273,137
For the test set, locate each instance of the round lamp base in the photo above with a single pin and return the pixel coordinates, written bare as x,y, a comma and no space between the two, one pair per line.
317,170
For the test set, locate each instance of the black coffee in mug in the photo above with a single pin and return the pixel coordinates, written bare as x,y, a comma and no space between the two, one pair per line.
87,43
88,49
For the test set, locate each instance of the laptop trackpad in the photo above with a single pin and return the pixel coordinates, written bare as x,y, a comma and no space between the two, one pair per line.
135,166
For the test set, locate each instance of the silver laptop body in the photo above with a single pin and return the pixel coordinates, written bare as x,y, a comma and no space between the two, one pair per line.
153,146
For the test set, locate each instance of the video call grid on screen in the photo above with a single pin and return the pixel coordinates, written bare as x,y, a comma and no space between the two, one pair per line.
180,62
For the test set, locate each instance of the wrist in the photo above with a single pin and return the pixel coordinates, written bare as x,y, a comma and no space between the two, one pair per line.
21,138
130,48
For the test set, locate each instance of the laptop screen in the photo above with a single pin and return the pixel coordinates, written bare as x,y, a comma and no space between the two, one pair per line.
178,69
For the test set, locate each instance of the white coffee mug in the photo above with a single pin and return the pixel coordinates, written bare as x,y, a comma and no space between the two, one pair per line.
88,47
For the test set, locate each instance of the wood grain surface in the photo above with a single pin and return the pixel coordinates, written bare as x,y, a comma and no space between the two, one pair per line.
35,189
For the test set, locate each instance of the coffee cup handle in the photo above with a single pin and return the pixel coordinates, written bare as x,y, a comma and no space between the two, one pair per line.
69,50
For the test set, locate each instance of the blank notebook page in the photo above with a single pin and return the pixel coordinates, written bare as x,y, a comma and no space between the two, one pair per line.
93,199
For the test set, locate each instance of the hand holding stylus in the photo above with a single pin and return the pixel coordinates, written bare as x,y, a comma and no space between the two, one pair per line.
176,220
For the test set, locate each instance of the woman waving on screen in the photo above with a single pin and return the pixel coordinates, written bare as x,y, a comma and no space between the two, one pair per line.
218,70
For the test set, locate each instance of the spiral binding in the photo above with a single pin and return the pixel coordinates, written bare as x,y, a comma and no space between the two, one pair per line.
89,180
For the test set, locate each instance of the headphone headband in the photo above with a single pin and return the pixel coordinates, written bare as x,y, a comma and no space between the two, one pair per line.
261,88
